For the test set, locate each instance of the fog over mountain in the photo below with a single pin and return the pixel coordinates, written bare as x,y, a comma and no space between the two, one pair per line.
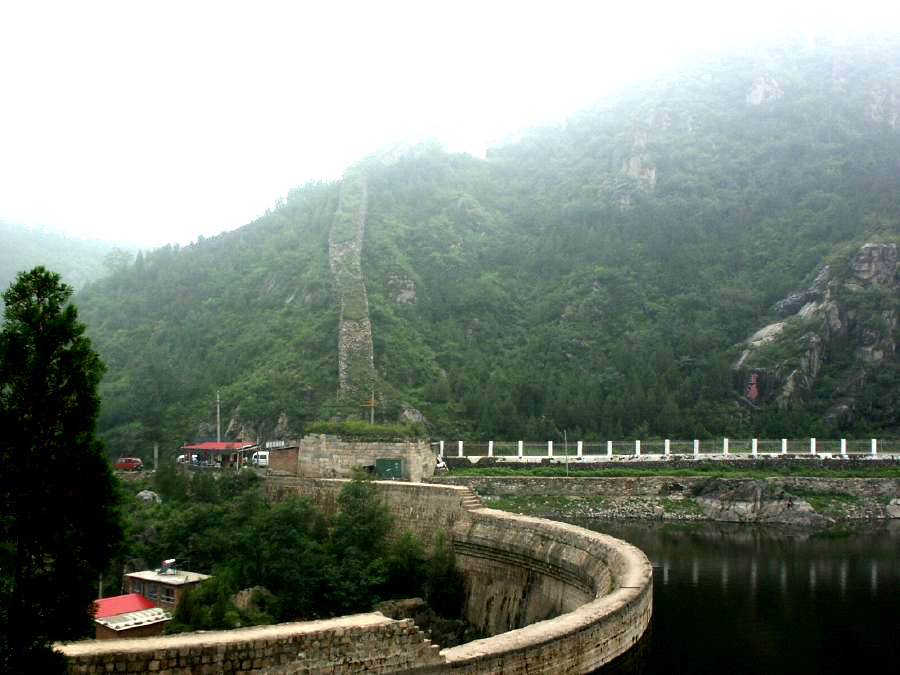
599,277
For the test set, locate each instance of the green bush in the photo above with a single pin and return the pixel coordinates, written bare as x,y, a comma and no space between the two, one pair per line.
357,430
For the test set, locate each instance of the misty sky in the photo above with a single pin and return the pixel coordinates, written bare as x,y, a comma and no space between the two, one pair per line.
159,121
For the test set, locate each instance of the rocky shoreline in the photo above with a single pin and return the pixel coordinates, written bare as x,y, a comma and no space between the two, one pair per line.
809,502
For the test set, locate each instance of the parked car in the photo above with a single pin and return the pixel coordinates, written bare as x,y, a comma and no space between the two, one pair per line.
129,464
183,458
260,458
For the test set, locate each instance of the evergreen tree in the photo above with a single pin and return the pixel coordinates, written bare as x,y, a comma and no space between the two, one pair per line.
59,515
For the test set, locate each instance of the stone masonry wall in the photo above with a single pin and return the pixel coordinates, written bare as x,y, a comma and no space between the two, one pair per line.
323,456
348,644
595,592
654,486
418,507
356,365
591,593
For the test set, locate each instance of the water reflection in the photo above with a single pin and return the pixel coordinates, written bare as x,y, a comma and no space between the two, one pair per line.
764,600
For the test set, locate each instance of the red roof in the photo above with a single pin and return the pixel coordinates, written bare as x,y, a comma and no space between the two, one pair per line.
121,604
221,446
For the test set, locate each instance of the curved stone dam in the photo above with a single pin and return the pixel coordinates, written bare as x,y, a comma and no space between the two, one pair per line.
555,598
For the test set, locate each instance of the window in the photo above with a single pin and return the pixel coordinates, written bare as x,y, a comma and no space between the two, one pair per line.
151,591
137,586
167,594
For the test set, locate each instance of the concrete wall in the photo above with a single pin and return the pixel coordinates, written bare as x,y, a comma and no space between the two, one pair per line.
567,600
323,456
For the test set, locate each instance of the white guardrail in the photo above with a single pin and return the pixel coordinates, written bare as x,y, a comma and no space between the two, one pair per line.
666,448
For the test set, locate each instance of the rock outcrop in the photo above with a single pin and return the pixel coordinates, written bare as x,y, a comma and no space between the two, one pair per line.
848,315
755,501
638,164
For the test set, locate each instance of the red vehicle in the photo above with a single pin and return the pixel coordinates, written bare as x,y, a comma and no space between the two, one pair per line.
129,464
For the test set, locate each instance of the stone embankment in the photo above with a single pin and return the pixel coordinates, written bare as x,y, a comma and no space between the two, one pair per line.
785,500
553,598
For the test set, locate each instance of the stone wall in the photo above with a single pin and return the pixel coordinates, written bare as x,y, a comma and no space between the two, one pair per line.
348,644
323,456
594,591
656,486
418,507
356,365
590,593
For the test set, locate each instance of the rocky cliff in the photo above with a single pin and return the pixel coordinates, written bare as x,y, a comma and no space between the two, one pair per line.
845,322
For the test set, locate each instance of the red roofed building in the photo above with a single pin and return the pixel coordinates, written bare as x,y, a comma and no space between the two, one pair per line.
221,446
126,616
120,604
220,452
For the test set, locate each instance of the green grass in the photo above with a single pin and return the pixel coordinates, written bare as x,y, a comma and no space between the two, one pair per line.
680,505
826,502
538,504
704,469
358,430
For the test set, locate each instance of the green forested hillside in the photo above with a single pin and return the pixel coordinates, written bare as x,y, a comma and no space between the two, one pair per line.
595,277
77,260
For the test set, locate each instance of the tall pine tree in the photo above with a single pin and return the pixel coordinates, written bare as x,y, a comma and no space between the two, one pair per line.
59,517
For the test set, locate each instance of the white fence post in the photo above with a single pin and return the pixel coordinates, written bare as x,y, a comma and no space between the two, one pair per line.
442,448
490,448
844,447
637,448
580,448
667,446
874,446
460,448
549,448
812,445
724,446
609,448
783,446
753,447
521,448
696,447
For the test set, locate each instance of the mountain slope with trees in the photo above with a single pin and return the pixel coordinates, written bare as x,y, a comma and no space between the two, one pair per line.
78,260
597,277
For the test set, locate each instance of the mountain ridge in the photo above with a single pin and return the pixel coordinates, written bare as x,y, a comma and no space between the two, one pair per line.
595,277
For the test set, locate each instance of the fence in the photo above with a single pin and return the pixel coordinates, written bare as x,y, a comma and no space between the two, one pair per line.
667,448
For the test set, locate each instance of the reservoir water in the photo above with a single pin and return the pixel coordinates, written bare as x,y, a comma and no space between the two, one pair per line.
733,599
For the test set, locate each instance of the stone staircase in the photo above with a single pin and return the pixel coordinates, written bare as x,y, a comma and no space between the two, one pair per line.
470,500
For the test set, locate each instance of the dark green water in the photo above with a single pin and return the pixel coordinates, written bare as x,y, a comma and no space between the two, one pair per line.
747,599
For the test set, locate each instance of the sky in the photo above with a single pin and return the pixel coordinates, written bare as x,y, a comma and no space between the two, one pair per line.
160,121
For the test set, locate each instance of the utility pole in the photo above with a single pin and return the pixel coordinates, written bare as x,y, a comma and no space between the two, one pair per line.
218,418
